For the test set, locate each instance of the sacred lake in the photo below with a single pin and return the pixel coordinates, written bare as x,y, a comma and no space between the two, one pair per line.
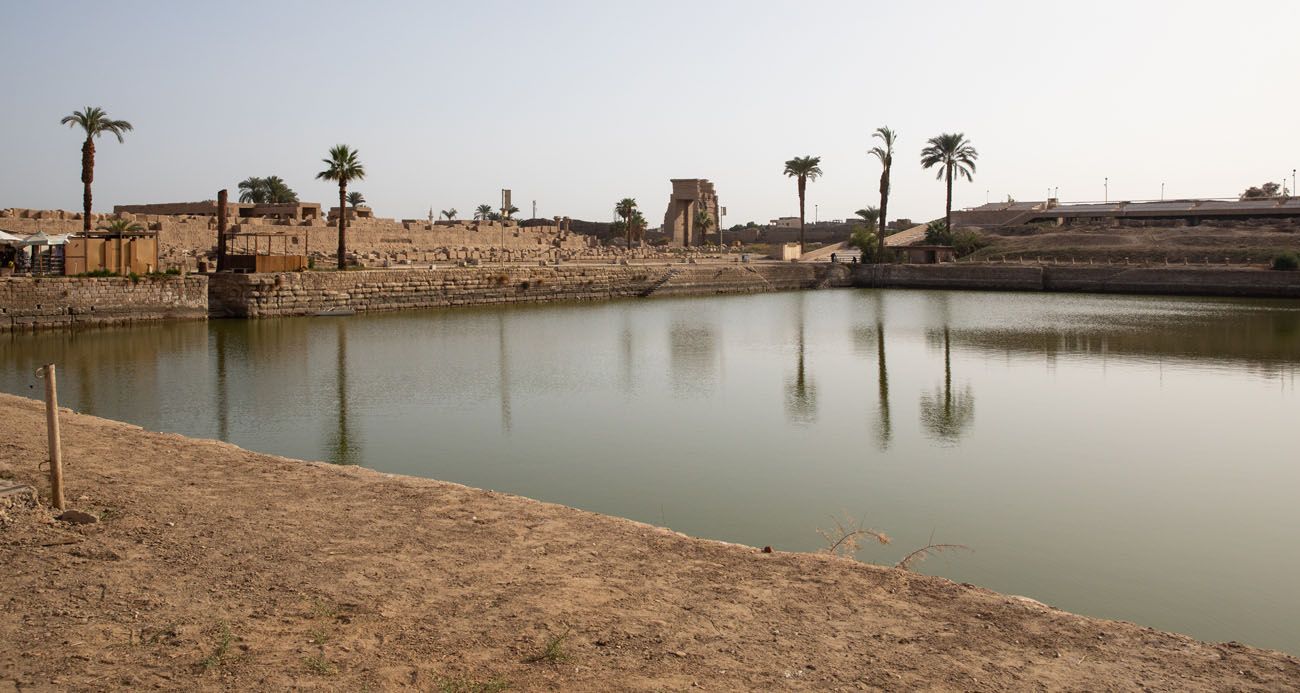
1123,457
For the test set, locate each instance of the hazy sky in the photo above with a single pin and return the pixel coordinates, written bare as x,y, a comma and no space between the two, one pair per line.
578,104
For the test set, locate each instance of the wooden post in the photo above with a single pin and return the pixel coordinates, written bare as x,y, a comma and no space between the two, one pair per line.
52,428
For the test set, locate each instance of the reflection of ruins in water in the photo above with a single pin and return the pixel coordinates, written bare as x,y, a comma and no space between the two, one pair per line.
801,392
503,366
692,353
945,413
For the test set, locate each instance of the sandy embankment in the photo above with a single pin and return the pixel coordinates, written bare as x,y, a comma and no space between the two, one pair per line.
217,567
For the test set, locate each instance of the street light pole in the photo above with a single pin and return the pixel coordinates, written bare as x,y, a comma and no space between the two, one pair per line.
1162,190
1107,187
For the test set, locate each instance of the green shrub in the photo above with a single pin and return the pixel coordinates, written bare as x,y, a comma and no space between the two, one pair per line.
1286,261
968,241
937,233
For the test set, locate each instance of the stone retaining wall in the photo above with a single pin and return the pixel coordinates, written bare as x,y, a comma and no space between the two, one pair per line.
1186,281
43,302
310,293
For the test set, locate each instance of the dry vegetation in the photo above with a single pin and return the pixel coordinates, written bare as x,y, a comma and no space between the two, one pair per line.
217,568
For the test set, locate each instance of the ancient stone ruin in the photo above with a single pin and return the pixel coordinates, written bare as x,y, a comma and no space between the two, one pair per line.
689,196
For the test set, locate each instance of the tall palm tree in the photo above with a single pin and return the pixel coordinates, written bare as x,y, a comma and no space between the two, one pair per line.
886,156
356,199
954,153
450,213
252,190
342,165
511,211
625,208
804,169
483,212
95,122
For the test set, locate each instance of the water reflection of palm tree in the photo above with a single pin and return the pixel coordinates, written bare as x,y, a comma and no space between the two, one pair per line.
801,393
884,432
946,413
342,448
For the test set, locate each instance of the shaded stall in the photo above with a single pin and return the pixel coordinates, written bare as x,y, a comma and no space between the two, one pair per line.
257,252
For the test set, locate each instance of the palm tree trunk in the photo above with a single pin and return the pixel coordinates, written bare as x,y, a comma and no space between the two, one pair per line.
947,209
343,224
87,177
801,208
884,214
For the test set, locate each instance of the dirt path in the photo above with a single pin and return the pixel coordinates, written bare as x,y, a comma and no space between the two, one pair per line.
214,567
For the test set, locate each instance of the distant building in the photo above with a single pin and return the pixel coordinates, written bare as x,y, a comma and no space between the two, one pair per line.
1189,212
784,222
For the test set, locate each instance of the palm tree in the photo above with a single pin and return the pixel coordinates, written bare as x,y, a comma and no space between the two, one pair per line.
450,213
95,122
277,192
803,168
704,222
886,156
252,190
356,199
625,208
870,216
953,152
344,166
510,211
118,227
483,212
638,224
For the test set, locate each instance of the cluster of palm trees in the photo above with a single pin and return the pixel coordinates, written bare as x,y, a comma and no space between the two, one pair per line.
951,152
268,190
634,223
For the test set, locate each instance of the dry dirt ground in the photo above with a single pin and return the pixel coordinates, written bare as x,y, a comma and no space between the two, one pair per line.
1239,244
217,568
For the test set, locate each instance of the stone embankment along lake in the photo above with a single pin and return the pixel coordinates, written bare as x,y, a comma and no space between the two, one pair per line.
310,293
28,303
45,302
1185,281
212,566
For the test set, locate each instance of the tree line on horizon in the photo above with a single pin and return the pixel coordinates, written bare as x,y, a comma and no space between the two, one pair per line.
952,153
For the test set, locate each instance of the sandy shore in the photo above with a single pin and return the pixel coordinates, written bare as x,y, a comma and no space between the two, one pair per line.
214,567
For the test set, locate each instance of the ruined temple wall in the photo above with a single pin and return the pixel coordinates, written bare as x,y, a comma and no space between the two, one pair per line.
181,237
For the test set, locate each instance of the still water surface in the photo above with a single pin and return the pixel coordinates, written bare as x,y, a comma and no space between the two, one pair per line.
1126,457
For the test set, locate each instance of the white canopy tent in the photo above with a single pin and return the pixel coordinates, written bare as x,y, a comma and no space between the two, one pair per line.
39,238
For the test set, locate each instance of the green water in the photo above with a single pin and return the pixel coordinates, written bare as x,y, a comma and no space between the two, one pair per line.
1133,458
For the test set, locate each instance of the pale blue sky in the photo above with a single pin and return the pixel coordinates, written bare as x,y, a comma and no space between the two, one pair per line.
577,104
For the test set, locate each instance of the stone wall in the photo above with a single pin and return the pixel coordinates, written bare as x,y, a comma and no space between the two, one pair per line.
43,302
1185,281
310,293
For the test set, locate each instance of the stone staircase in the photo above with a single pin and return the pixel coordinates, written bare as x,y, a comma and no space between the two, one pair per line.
668,276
